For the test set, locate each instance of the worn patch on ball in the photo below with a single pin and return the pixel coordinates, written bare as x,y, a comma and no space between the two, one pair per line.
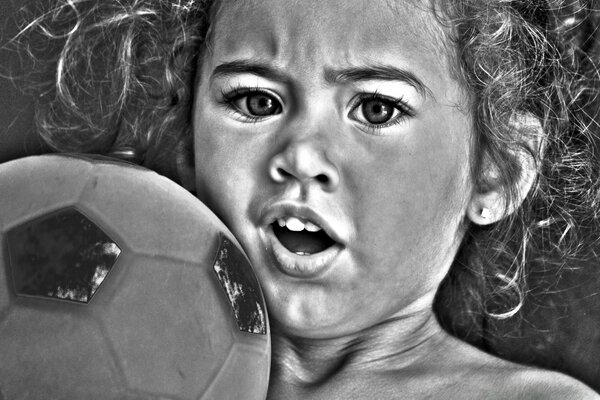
241,286
62,255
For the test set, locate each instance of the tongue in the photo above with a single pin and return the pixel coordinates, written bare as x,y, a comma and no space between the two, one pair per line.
303,241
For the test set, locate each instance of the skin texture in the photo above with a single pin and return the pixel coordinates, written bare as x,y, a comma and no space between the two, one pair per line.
390,194
396,196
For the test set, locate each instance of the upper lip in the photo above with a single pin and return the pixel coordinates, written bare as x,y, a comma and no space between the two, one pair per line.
302,211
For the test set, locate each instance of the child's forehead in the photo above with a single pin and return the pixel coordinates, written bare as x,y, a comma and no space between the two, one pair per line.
358,24
350,31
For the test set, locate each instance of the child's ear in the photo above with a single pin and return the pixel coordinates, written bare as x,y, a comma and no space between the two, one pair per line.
488,205
186,171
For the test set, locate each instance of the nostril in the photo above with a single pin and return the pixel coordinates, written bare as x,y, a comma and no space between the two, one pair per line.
280,174
305,168
322,178
283,173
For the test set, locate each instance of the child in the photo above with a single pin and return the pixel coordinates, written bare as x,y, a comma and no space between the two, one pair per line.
361,152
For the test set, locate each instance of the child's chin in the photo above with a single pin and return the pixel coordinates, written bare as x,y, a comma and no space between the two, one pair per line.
318,323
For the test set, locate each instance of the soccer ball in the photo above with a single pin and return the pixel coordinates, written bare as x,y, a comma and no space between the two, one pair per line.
116,283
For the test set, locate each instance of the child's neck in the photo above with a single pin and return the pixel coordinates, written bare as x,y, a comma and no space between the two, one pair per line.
300,364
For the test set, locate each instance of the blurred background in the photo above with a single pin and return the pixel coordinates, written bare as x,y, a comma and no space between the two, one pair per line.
17,136
560,324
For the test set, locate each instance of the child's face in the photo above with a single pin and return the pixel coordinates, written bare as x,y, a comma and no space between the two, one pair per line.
343,114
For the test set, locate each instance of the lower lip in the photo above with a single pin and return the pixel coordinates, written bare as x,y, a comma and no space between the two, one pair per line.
301,266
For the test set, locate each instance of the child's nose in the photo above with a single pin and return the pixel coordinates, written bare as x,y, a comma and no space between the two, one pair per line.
305,162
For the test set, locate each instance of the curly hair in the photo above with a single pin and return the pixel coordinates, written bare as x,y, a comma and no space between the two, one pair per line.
533,59
115,77
123,78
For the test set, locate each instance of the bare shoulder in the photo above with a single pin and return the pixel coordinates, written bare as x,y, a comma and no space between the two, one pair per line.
455,370
533,383
493,377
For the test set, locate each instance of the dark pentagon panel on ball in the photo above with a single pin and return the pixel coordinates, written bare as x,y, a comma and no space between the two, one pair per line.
63,255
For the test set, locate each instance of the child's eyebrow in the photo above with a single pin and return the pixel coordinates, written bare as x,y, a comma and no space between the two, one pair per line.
377,72
248,67
334,76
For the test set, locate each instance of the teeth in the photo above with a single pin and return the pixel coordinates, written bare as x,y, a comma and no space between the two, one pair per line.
296,225
309,226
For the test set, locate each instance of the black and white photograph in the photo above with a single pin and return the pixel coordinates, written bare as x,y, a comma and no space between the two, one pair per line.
299,199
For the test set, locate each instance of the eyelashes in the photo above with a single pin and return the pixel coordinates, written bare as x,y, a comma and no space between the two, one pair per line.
372,111
252,103
378,111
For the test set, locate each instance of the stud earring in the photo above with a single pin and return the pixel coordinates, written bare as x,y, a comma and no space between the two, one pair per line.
486,213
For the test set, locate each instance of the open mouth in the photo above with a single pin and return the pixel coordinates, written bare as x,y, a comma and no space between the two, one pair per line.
301,237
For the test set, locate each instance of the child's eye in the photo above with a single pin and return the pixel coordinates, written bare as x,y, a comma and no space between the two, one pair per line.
254,103
379,111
